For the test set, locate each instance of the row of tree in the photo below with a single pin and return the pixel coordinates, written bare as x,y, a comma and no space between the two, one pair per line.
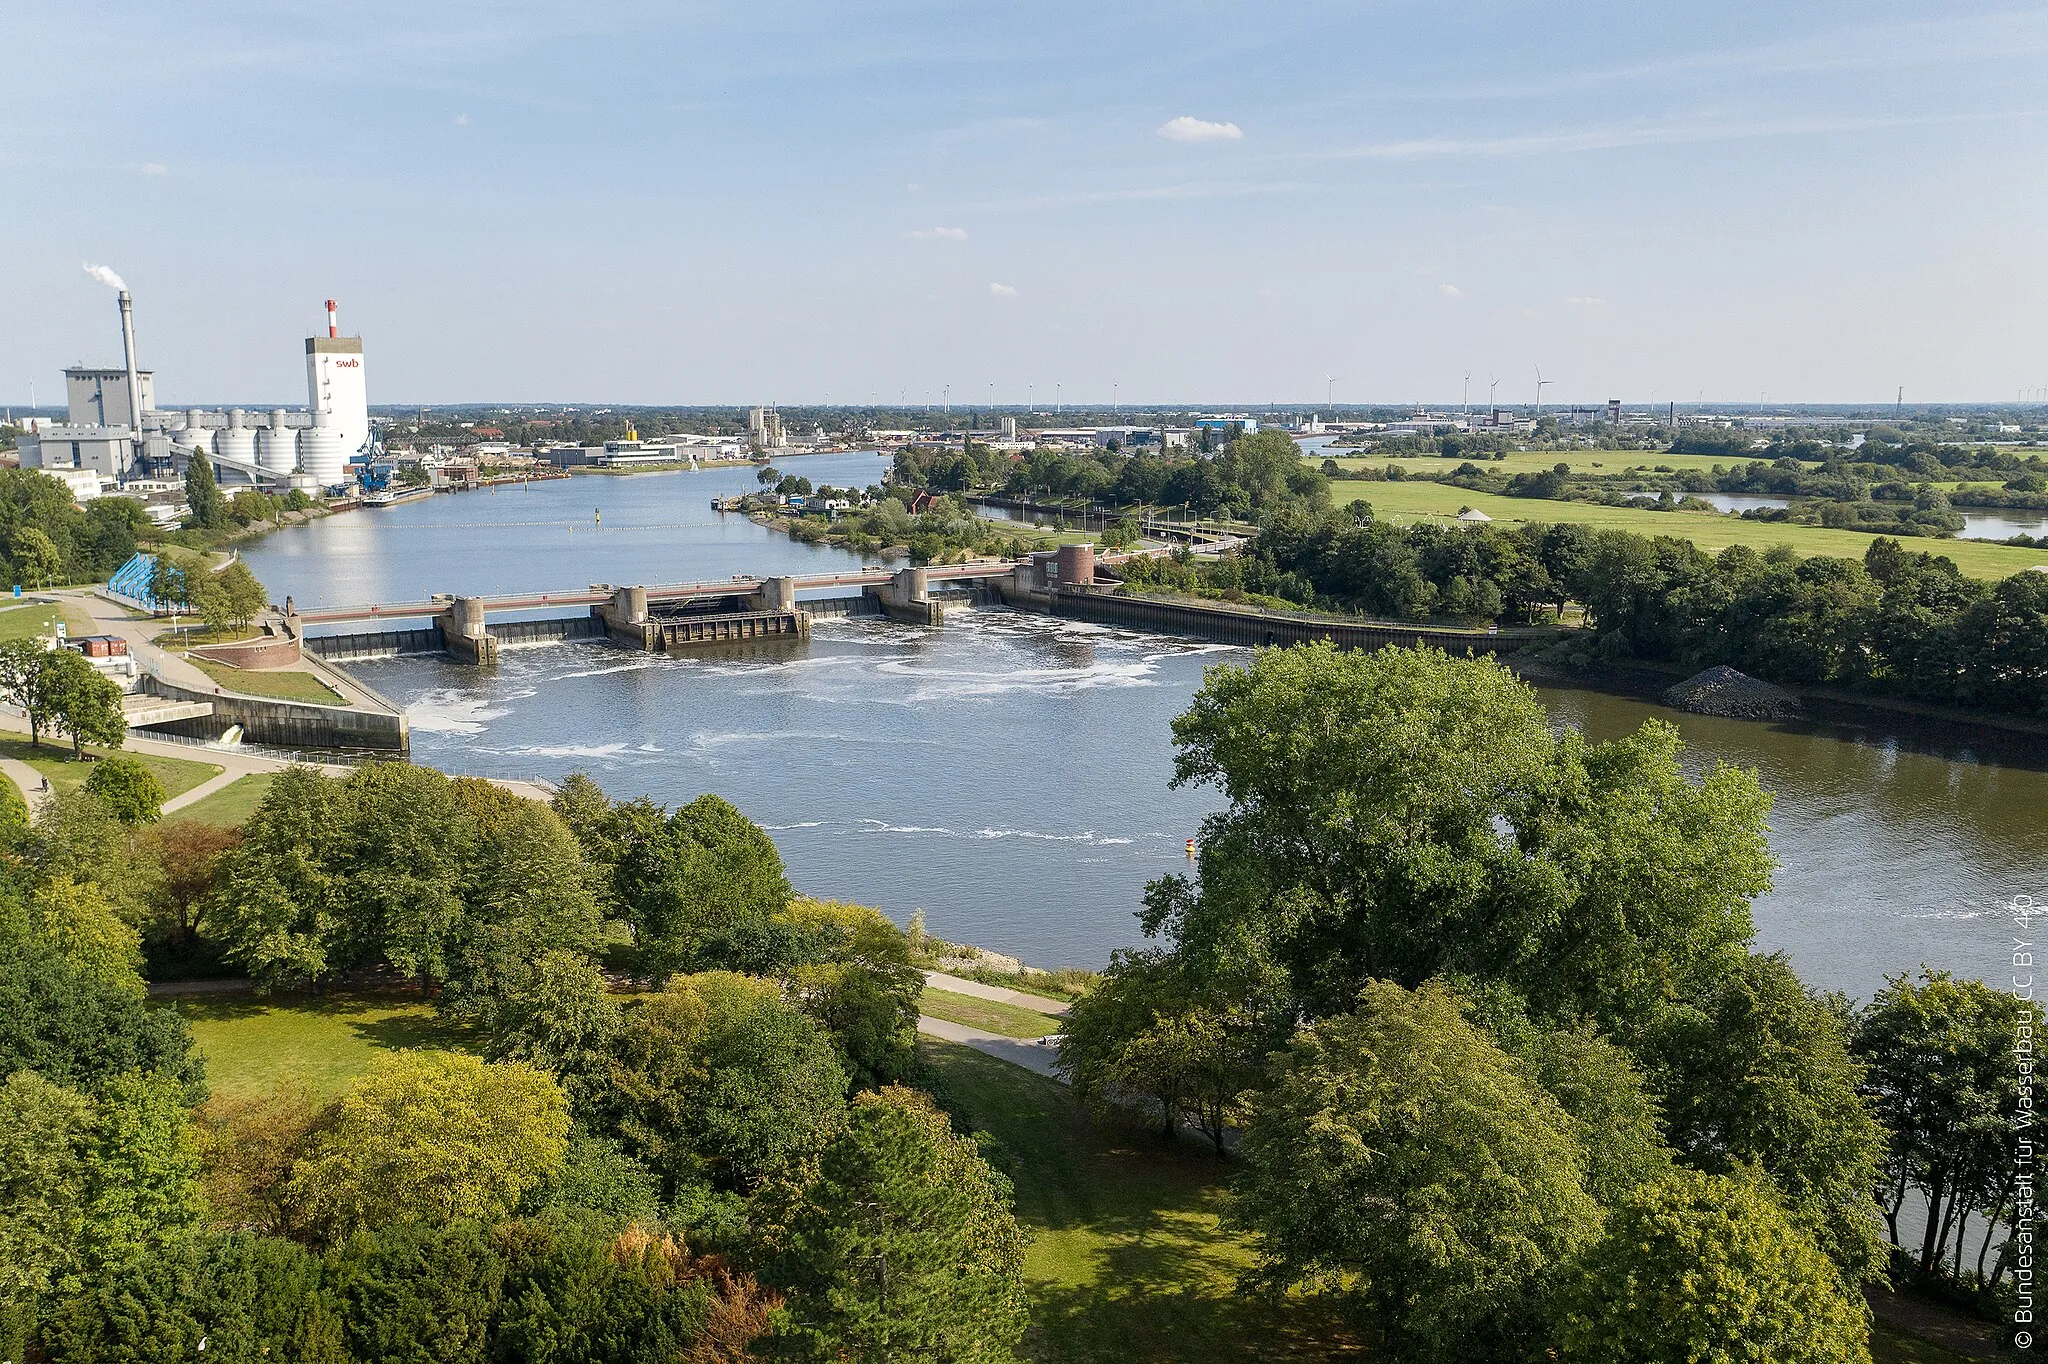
1249,478
1897,623
1479,1001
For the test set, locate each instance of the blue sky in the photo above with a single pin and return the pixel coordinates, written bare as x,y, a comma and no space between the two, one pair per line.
785,202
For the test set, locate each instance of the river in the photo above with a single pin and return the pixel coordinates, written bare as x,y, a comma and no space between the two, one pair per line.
1007,773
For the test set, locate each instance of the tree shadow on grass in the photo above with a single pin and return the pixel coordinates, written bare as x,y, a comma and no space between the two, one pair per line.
1122,1324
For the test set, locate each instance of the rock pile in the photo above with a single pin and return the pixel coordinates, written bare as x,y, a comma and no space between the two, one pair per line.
1721,690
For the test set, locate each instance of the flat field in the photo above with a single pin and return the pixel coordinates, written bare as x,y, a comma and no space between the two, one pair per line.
252,1043
1535,461
1419,501
232,804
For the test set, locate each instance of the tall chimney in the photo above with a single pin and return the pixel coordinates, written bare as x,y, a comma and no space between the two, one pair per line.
134,384
332,329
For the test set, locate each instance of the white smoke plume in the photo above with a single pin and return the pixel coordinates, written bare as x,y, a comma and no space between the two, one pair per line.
104,275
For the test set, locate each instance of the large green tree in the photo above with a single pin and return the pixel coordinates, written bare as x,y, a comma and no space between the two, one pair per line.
901,1244
81,701
434,1137
1404,814
1404,1164
1938,1068
1755,1071
718,1080
1697,1267
1159,1034
205,508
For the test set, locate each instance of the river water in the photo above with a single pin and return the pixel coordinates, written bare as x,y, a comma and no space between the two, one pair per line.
1007,773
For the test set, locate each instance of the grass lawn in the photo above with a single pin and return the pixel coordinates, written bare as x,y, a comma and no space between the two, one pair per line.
1889,1345
26,622
285,684
232,804
53,760
251,1043
1535,461
1127,1259
989,1015
1419,501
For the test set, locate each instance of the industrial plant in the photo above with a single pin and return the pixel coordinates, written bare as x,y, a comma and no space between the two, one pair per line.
114,433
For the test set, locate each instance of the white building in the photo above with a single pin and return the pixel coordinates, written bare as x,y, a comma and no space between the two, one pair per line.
335,385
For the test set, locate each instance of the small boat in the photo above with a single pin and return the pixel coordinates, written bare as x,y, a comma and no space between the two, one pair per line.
391,497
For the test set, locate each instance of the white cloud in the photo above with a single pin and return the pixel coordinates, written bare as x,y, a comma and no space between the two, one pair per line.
1190,129
1450,291
462,120
1003,290
913,187
155,168
940,234
1583,300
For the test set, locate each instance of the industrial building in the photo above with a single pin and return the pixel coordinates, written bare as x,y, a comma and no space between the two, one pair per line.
308,449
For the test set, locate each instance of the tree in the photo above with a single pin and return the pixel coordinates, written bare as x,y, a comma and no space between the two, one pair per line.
1153,1032
902,1244
188,855
700,887
1405,1164
128,787
431,1136
246,597
1754,1070
78,1028
1403,814
719,1081
44,1150
88,1182
36,558
82,702
214,606
859,984
559,1016
205,508
173,579
76,920
1940,1078
1708,1267
21,682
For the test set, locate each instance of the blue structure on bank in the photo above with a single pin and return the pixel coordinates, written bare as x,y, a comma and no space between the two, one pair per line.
131,581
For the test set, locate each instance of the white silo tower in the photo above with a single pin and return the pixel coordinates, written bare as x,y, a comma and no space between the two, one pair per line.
280,445
335,384
236,442
320,451
195,436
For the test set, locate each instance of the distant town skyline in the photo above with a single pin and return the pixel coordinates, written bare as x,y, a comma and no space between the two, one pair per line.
803,204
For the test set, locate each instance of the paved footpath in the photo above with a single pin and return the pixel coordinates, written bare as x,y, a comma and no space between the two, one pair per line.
1033,1056
1023,999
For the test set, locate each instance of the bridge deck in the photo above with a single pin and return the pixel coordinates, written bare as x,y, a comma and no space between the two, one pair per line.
591,596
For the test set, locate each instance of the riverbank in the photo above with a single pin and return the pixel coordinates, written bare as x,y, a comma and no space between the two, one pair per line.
2017,738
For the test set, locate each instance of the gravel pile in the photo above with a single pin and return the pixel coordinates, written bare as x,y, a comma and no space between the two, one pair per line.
1721,690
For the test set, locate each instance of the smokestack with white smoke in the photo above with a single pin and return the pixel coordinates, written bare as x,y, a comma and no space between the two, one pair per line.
114,281
104,275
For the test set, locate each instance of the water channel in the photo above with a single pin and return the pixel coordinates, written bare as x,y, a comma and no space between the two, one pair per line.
1007,773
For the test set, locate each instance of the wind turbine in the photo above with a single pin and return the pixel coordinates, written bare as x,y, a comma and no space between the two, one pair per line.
1540,382
1330,394
1467,404
1492,403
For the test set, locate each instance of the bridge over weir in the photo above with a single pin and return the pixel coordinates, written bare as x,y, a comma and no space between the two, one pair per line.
655,617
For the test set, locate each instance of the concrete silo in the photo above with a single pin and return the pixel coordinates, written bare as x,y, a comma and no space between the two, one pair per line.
279,449
236,442
320,451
